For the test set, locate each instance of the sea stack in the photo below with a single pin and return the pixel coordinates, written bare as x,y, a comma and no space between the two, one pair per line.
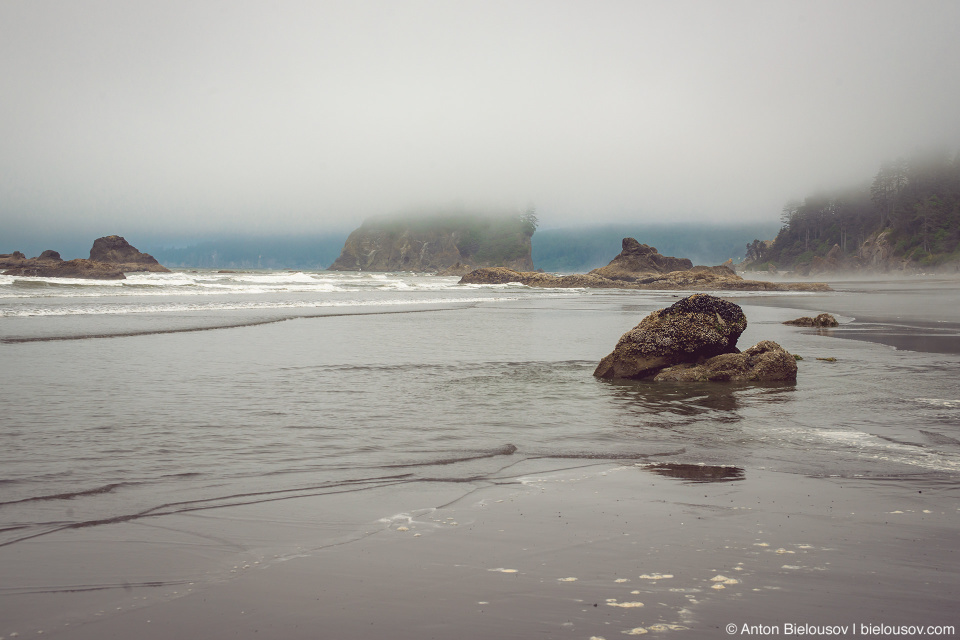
117,251
439,243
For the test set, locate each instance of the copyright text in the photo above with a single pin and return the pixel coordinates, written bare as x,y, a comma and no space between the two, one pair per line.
854,629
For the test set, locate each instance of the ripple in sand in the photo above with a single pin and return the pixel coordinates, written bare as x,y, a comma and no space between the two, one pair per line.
724,579
624,605
502,570
656,576
622,580
637,631
571,579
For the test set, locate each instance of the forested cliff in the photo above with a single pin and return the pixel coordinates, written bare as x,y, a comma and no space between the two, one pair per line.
439,241
906,218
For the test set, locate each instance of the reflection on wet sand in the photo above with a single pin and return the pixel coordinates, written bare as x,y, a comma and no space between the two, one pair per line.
697,472
694,399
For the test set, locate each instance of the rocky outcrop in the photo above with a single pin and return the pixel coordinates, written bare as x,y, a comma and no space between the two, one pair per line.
114,256
695,340
638,260
117,251
697,278
830,263
436,244
765,361
694,329
47,268
640,266
821,321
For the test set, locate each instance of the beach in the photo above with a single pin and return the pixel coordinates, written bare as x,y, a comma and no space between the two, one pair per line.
418,460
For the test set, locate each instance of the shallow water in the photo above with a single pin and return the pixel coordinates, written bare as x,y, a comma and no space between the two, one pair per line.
180,394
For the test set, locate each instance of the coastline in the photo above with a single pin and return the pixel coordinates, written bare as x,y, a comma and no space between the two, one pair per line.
499,560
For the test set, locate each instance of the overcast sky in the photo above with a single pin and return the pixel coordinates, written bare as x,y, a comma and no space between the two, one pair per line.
203,117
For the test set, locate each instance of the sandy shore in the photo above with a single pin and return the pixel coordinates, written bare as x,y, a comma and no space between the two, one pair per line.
553,549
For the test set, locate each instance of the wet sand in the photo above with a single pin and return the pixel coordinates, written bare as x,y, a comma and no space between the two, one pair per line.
880,311
550,550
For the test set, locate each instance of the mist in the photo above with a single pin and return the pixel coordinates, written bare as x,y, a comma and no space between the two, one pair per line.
192,119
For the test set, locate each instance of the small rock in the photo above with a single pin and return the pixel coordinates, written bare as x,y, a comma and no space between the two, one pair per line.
822,320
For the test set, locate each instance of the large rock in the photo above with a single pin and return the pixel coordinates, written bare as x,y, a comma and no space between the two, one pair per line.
694,329
639,259
766,361
117,251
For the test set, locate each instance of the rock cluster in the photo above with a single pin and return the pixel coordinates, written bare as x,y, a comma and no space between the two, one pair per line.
821,321
695,340
697,279
639,266
110,257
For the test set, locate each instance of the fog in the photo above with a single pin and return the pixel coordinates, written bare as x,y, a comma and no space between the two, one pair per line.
201,117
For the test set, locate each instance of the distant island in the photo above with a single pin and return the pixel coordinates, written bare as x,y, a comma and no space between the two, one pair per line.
449,243
907,219
110,257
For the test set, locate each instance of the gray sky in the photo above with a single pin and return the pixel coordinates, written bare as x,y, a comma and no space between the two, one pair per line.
202,116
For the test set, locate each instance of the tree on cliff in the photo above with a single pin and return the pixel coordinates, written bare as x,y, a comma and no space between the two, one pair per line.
529,220
886,188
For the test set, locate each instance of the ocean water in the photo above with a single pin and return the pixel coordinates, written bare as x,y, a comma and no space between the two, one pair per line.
180,394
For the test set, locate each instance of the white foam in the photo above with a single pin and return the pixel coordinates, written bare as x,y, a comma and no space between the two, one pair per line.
177,307
938,402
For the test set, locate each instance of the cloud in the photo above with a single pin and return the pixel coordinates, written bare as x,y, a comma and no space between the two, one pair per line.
223,116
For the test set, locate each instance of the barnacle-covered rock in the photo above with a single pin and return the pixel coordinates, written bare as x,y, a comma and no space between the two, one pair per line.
692,330
765,361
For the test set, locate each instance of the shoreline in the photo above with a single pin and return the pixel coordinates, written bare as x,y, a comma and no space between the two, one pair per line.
559,551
